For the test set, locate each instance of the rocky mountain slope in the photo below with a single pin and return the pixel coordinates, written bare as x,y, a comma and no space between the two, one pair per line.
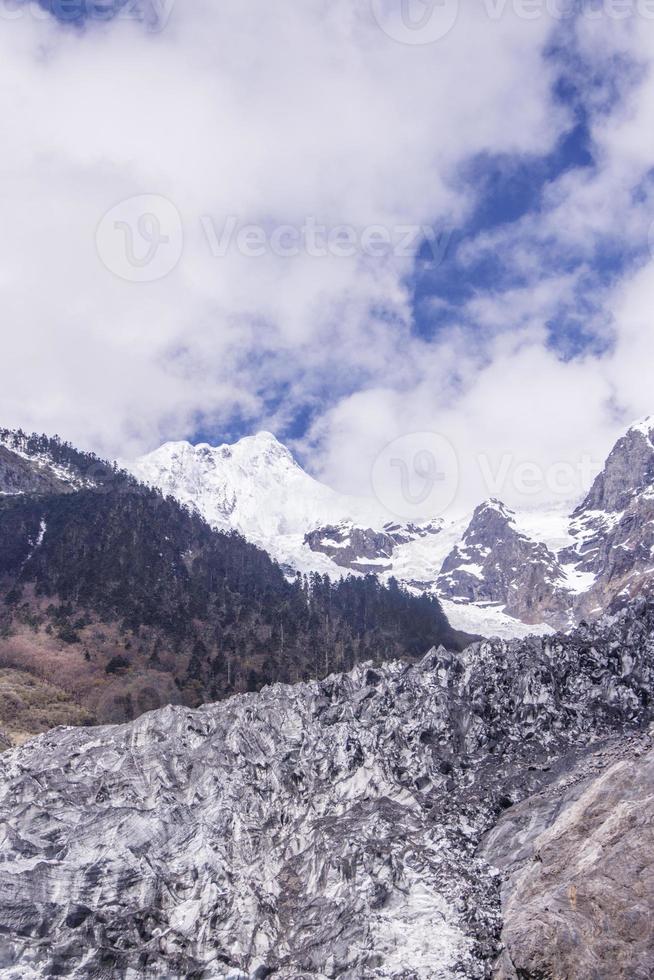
577,864
340,828
497,572
118,601
37,464
496,563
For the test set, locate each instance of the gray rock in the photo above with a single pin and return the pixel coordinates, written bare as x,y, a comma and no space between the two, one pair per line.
578,861
364,549
614,532
349,546
496,563
19,475
324,830
628,471
615,527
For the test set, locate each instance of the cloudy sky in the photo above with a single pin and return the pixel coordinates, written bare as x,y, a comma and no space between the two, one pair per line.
345,221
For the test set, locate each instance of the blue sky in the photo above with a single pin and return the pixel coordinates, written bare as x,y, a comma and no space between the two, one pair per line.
522,144
502,190
505,189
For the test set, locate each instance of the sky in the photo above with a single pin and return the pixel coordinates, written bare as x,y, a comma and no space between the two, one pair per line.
348,222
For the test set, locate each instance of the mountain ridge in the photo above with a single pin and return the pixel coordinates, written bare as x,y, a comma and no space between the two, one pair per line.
129,600
493,573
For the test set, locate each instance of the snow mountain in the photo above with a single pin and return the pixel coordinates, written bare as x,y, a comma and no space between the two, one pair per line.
255,487
496,571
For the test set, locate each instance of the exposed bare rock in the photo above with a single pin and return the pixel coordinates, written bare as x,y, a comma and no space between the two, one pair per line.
33,464
609,562
495,562
363,549
628,471
614,527
358,548
20,475
578,861
621,557
323,830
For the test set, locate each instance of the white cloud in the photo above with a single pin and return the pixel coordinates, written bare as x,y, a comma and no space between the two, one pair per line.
273,113
517,397
279,113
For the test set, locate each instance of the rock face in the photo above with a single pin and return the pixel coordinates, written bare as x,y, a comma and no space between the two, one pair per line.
323,830
18,475
578,861
614,527
629,470
497,563
362,549
40,465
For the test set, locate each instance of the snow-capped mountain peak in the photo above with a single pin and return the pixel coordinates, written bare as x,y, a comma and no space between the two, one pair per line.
265,443
496,571
628,471
644,426
254,486
263,448
493,505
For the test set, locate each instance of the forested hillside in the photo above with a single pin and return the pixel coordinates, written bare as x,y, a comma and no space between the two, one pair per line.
127,600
